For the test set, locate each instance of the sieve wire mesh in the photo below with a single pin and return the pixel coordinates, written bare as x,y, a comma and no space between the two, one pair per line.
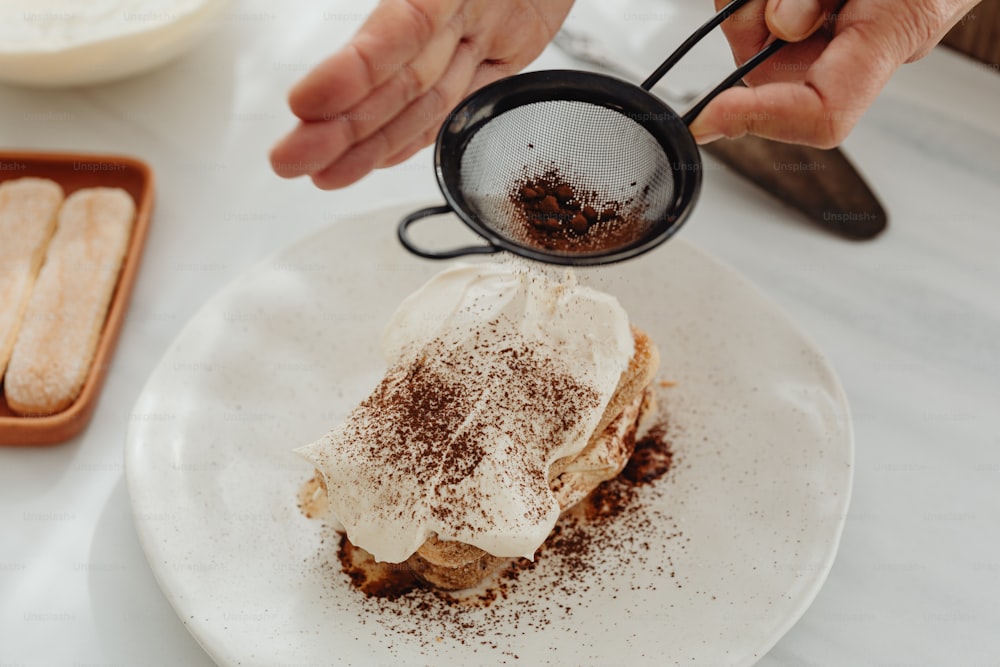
603,154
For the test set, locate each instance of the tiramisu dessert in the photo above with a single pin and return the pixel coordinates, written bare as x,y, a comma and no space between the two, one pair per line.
508,398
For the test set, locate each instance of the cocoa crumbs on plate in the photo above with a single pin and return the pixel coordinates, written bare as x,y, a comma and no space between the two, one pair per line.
615,529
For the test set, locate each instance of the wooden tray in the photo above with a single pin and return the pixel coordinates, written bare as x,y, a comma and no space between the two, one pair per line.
73,172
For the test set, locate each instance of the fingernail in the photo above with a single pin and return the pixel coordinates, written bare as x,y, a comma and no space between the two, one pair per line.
708,138
796,19
702,133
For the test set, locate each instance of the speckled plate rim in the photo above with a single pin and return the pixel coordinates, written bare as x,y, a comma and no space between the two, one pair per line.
168,470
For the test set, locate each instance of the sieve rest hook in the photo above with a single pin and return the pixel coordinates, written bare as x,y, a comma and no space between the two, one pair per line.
404,237
696,37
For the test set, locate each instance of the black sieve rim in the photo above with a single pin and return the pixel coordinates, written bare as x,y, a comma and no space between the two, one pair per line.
648,111
635,102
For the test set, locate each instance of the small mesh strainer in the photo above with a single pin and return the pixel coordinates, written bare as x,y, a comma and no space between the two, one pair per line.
627,158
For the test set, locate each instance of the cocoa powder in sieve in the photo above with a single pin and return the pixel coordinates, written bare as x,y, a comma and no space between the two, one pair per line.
557,215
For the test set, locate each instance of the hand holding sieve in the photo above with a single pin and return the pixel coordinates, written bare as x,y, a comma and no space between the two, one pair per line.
606,137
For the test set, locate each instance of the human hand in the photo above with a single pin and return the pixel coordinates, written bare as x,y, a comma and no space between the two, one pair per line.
816,89
382,97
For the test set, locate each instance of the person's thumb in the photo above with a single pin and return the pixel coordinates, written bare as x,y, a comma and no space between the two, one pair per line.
794,20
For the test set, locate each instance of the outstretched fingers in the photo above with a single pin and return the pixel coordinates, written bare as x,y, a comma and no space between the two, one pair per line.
395,34
409,131
316,144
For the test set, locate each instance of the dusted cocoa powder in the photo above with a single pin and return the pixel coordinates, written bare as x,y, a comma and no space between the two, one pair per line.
572,545
424,429
607,544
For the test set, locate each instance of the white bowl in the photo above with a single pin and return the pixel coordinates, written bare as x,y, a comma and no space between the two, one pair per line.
49,43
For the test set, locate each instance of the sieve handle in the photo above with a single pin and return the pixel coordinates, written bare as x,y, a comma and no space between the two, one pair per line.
689,44
404,237
732,79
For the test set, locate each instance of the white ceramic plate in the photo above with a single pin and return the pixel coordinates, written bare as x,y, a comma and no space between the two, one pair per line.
751,517
50,44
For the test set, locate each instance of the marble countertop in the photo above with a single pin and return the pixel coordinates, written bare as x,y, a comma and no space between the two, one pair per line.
911,323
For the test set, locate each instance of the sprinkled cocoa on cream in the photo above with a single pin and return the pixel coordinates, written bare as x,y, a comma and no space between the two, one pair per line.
608,527
495,373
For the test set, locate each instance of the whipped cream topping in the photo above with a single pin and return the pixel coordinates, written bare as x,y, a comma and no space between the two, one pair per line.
495,372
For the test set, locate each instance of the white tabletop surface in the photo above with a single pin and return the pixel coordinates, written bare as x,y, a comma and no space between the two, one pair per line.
911,322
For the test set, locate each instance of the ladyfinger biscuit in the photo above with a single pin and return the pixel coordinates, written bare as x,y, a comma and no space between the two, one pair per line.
58,338
28,208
